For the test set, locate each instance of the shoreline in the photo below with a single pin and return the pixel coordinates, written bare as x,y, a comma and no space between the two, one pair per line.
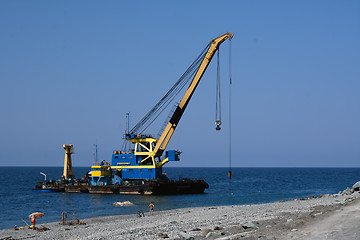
277,220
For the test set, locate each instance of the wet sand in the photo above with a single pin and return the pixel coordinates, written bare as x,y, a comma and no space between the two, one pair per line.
327,217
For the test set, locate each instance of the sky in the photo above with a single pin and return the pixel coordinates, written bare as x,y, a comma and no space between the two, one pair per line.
71,70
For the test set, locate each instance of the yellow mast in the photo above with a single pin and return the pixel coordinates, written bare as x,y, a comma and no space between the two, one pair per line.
68,172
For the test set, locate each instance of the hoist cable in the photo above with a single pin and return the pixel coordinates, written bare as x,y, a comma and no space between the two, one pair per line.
218,92
166,103
230,173
173,91
125,147
169,96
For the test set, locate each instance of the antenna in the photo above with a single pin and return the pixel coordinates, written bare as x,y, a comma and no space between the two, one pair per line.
128,122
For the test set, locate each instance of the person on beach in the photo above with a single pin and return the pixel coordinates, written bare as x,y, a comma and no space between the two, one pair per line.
151,206
33,221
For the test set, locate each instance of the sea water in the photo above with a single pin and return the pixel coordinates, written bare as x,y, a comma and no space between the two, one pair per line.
247,186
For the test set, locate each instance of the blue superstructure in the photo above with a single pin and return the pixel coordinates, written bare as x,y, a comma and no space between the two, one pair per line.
139,164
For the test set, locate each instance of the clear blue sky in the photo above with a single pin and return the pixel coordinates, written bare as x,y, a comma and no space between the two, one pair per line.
70,70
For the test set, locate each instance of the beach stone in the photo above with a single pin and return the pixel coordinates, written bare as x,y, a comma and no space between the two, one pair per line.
196,229
163,235
206,231
217,228
317,214
356,186
213,235
289,221
250,225
347,191
186,236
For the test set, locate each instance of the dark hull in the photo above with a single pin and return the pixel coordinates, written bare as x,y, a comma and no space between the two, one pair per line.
166,187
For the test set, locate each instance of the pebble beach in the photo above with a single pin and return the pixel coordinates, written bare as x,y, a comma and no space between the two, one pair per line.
294,219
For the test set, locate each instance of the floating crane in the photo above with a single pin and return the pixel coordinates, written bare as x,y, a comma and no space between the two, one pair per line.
139,171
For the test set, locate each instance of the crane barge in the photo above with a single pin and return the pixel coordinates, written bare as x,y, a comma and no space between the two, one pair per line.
139,171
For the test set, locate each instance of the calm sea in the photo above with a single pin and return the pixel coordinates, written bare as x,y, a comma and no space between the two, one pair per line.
248,186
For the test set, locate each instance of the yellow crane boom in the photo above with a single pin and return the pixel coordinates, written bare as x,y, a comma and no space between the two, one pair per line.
170,127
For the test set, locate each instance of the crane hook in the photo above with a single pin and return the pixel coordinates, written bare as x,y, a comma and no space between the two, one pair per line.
218,123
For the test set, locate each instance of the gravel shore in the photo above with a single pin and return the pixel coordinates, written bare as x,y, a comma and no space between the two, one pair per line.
294,219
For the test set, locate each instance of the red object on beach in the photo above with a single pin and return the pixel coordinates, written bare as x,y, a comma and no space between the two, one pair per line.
36,215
